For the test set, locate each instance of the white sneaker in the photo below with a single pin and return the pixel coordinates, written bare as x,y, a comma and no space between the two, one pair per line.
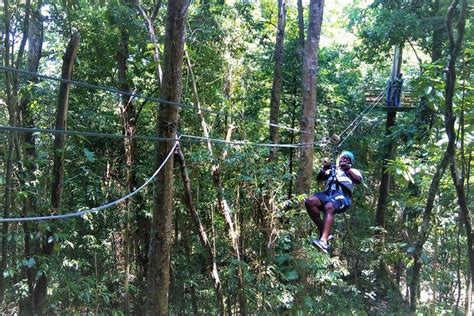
321,245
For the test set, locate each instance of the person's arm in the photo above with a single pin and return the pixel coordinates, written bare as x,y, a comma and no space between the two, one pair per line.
353,174
355,177
323,174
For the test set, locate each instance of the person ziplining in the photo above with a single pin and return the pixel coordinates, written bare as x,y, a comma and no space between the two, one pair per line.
335,198
340,180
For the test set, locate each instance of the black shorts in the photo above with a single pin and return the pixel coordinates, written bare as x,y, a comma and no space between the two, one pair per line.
339,201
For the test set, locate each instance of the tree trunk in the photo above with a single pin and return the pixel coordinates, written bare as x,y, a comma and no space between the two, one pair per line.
305,168
448,158
35,44
277,78
381,212
382,271
438,33
40,290
223,206
7,204
295,105
11,141
425,226
291,154
310,65
455,42
268,206
158,276
225,212
128,113
300,28
149,24
211,257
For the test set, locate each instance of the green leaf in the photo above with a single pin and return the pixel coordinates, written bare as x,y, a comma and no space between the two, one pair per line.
9,272
283,258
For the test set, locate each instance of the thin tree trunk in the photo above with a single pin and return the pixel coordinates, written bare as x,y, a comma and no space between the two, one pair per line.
21,48
300,28
17,118
438,33
381,211
382,272
224,210
267,206
41,287
149,24
211,257
414,281
158,276
307,123
7,204
128,113
9,162
35,44
277,79
223,206
455,42
292,140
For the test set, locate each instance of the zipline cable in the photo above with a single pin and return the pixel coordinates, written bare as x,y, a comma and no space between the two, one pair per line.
365,111
358,120
341,142
197,138
354,124
94,209
190,137
77,133
141,96
148,138
104,88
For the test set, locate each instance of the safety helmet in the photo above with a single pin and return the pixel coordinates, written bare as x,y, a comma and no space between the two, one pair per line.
349,155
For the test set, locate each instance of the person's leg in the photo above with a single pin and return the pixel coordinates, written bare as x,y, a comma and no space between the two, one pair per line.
329,212
313,206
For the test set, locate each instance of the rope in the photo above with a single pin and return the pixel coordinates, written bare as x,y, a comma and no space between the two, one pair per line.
141,96
149,138
94,209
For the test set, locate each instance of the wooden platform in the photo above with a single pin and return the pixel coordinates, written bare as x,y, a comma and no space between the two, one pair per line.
408,100
395,108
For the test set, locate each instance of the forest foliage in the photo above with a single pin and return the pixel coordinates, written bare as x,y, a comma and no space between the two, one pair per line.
98,262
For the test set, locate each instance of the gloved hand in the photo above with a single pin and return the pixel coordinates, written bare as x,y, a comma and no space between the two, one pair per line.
326,163
345,166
